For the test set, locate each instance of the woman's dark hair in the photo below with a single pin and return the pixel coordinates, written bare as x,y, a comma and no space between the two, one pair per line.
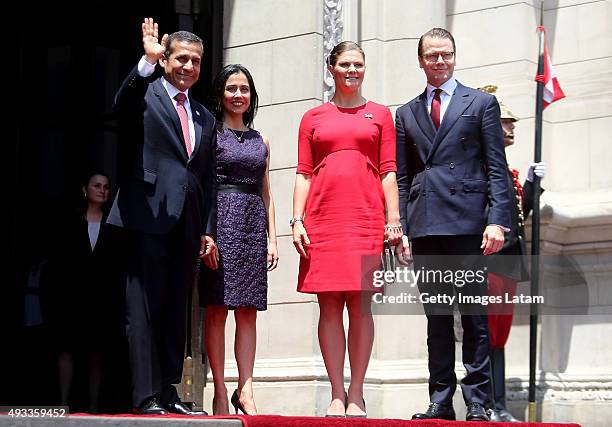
89,175
342,47
218,87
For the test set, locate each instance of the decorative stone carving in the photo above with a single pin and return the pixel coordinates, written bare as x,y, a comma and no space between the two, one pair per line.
583,388
332,35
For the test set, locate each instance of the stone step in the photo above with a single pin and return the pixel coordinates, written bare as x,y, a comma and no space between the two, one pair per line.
117,421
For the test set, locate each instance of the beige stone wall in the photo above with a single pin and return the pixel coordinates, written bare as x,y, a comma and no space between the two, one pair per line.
281,42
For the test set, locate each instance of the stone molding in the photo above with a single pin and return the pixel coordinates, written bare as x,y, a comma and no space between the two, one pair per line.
560,387
333,26
313,368
550,386
574,222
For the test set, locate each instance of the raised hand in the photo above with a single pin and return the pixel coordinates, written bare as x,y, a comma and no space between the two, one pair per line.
153,48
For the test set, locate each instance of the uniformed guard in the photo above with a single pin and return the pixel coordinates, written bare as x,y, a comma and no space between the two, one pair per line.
508,267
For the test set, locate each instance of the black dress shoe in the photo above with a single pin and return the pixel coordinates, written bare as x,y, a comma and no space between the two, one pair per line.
503,416
437,411
179,407
476,412
150,406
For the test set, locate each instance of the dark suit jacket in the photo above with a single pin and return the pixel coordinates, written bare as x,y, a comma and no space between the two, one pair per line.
161,181
453,181
82,292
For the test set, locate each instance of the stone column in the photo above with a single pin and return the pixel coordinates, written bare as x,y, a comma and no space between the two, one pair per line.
281,43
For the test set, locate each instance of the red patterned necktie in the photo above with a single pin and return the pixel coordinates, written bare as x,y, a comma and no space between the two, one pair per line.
182,113
435,108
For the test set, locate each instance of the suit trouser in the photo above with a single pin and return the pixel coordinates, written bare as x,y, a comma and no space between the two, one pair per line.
160,272
454,254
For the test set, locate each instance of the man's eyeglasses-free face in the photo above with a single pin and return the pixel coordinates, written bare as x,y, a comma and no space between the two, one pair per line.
433,57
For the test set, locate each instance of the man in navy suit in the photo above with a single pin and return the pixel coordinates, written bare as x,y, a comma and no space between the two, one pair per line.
167,204
454,208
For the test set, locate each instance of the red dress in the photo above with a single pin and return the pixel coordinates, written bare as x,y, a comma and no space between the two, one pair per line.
345,151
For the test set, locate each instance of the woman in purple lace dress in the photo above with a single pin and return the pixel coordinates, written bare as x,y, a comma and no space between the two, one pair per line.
246,236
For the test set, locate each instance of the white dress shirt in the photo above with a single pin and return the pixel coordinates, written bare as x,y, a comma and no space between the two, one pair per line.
448,88
145,69
93,229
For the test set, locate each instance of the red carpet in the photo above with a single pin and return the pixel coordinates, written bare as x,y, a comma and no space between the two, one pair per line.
282,421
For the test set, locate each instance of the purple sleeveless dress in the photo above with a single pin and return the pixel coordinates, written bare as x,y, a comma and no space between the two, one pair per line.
241,279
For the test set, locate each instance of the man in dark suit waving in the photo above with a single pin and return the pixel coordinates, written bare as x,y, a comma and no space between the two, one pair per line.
454,208
167,203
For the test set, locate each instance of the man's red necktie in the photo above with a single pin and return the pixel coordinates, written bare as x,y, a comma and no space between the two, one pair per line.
435,108
182,113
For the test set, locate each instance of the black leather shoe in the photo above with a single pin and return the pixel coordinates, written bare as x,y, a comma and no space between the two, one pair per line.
476,412
437,411
503,416
180,408
150,406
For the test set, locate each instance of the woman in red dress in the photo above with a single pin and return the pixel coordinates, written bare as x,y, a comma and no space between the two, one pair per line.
345,179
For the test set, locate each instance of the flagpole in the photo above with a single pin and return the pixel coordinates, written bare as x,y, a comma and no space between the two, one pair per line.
535,230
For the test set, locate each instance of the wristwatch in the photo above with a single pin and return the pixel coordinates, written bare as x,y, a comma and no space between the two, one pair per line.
294,220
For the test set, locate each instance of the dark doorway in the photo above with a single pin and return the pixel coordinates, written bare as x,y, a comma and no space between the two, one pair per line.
70,59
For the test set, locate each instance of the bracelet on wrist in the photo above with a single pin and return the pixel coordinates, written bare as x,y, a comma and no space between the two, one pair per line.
295,219
397,228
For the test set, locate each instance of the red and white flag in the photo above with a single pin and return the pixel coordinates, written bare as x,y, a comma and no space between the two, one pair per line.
552,90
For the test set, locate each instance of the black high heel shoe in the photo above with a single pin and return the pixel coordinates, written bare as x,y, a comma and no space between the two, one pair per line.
236,403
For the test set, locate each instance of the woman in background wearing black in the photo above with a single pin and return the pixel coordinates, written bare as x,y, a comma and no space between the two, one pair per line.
86,293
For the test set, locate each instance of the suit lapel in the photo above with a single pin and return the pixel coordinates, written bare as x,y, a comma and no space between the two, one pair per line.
172,115
197,124
423,119
460,100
